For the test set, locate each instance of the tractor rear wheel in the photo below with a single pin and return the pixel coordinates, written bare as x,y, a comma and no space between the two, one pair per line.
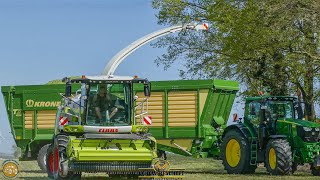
278,157
235,153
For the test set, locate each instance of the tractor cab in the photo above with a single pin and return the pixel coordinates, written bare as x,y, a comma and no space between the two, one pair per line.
268,110
103,101
96,129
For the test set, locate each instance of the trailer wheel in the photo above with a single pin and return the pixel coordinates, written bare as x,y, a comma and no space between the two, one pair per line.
278,157
41,159
235,153
314,170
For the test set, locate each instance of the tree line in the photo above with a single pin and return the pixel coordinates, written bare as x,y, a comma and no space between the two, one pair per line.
267,45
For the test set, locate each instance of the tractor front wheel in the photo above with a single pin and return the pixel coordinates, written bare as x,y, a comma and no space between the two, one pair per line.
235,153
278,157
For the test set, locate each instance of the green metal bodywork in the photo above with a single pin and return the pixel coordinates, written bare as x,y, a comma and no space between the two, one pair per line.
303,152
104,150
204,136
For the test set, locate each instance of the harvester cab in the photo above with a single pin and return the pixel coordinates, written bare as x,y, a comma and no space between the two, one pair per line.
96,129
271,133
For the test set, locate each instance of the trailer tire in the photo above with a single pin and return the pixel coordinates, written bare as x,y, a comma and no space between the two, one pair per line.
41,158
235,153
278,157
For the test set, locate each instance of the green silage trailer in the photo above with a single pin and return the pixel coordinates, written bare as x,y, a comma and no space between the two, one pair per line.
188,116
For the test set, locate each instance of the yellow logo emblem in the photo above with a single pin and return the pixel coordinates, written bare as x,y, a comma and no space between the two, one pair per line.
29,103
161,166
10,169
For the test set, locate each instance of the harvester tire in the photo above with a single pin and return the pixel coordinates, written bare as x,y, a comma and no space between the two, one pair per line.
235,153
60,144
41,159
314,171
49,163
278,157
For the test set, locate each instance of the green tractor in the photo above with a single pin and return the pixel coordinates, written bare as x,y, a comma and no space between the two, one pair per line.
100,134
271,133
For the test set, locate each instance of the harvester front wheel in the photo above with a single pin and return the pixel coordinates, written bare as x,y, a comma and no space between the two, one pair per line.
50,163
41,159
57,154
278,157
235,153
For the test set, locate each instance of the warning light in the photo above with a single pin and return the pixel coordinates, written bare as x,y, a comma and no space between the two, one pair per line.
260,93
235,117
83,76
204,26
135,76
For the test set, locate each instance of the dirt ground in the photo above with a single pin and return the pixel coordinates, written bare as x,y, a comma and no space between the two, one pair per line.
195,169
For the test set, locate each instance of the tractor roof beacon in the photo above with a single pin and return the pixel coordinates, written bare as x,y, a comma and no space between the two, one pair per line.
272,133
114,143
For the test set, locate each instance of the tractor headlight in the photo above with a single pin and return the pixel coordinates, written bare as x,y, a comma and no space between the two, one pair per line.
317,129
307,129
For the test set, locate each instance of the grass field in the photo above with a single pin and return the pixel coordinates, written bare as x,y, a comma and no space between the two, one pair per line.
197,169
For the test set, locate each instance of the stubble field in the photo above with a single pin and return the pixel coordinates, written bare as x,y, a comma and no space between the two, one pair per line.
196,169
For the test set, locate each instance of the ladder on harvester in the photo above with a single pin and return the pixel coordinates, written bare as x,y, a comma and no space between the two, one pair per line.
253,151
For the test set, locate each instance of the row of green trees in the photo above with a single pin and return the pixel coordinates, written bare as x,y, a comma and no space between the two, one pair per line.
265,44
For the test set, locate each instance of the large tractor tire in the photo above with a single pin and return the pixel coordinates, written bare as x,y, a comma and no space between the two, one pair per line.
278,157
235,153
57,154
41,159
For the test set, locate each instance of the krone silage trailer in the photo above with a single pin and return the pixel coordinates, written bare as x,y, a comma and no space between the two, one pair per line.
188,116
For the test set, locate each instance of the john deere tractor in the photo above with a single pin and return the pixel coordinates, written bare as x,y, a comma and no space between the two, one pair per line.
107,139
273,134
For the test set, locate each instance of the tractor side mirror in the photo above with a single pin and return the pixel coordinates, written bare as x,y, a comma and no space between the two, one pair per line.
68,87
147,90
